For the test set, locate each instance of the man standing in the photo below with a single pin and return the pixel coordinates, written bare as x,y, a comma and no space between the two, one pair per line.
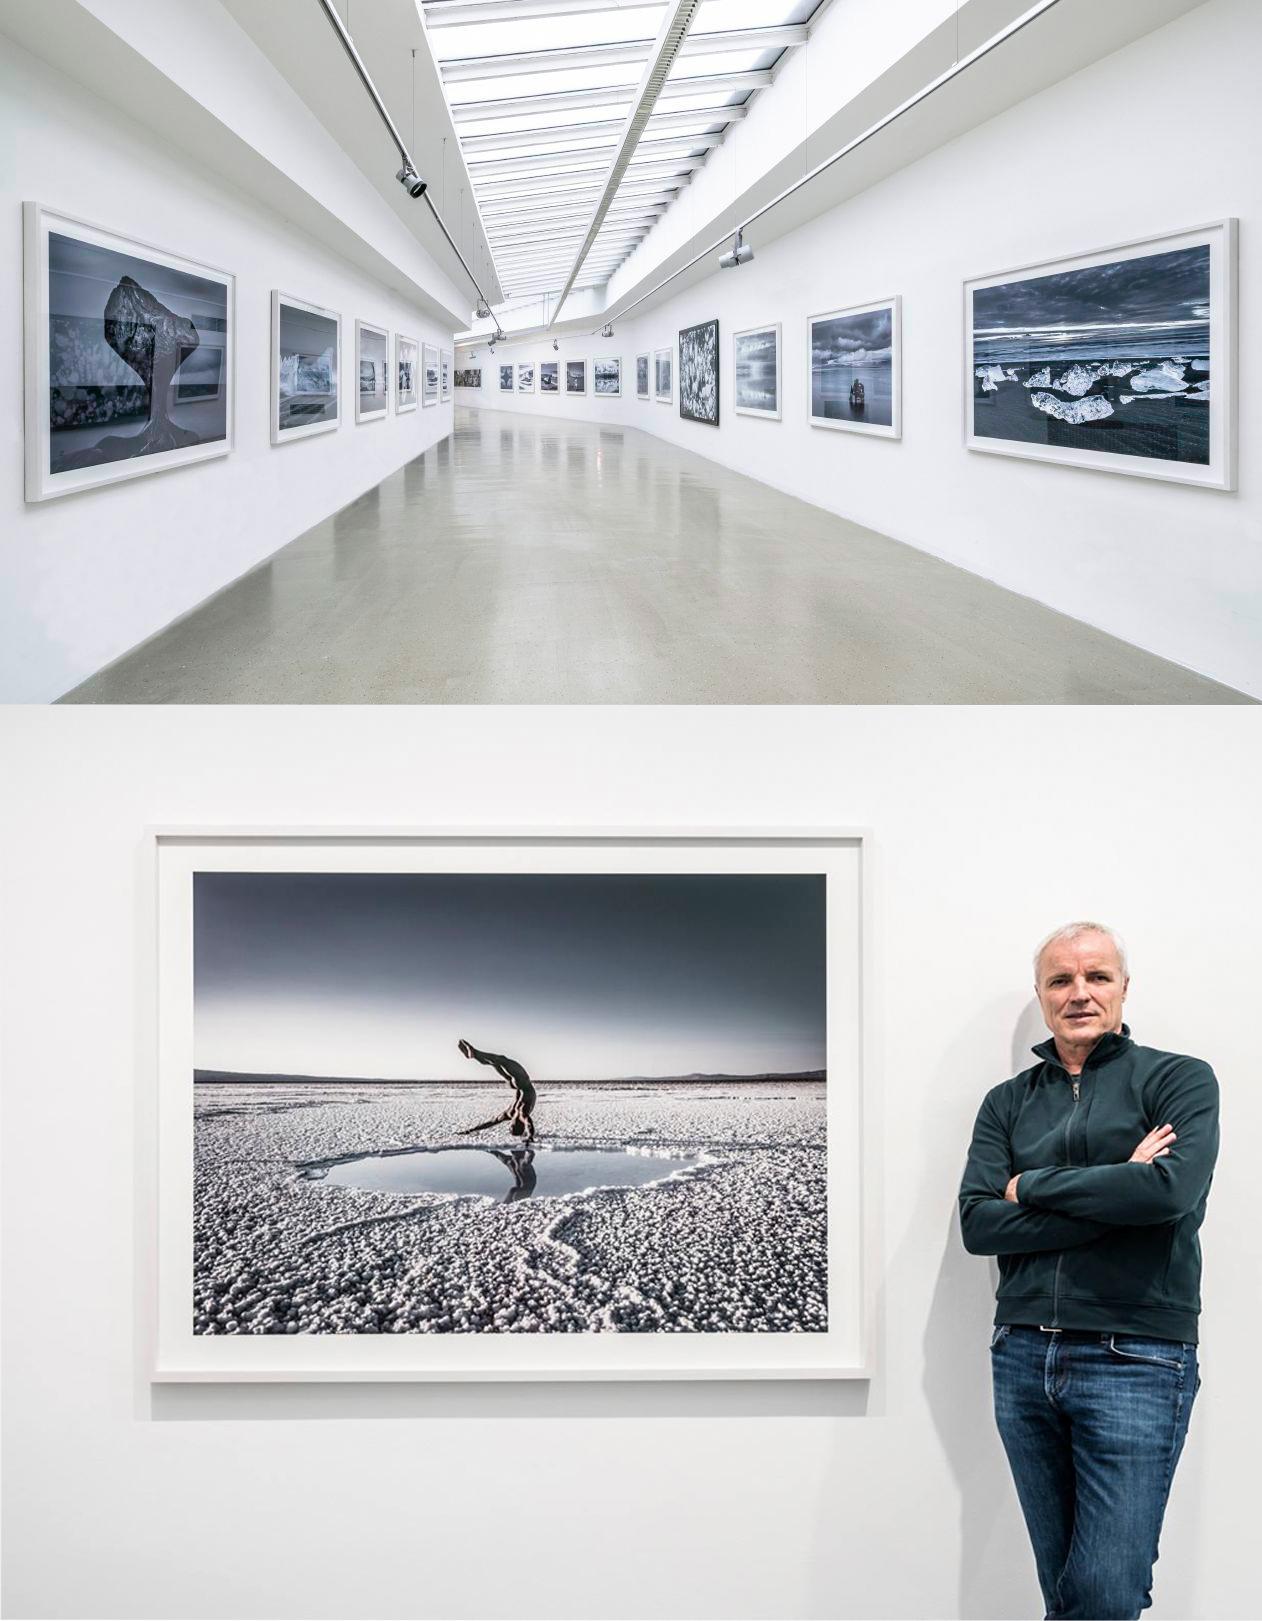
1087,1177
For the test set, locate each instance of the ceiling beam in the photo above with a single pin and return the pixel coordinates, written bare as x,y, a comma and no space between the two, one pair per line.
466,112
504,63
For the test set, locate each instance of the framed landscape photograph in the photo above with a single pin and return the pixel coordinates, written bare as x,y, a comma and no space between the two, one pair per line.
525,376
756,368
642,377
446,365
405,370
306,343
606,376
856,369
1122,360
548,377
699,373
509,1105
128,356
506,378
429,375
469,377
662,389
372,369
576,377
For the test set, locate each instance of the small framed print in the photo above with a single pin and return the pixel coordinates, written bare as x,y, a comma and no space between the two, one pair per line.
446,366
429,375
607,376
306,345
549,382
405,370
856,369
756,371
506,378
372,371
642,363
576,377
525,376
662,381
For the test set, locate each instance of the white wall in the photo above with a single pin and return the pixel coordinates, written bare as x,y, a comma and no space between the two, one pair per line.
1100,158
85,577
722,1501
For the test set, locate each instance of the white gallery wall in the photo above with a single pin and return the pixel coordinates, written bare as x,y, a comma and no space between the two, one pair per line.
85,577
565,1501
1104,157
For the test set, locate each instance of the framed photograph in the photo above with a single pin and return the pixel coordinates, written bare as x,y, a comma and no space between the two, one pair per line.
1122,360
549,371
525,376
576,377
509,1105
429,375
756,367
469,377
506,378
446,365
306,344
372,368
856,369
642,377
662,389
406,365
606,376
699,373
128,356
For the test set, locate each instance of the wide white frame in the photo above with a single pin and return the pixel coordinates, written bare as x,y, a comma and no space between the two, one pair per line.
173,855
40,483
648,376
283,436
879,430
429,357
551,392
402,401
509,367
749,410
468,387
446,366
1220,472
381,332
669,395
607,360
525,365
565,375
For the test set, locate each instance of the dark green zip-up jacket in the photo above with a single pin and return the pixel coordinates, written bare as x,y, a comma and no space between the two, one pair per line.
1094,1241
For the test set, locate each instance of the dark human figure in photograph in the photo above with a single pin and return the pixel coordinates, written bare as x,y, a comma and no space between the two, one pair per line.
518,1113
521,1165
1088,1177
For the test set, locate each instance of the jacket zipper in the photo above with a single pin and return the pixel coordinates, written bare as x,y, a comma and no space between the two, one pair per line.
1069,1120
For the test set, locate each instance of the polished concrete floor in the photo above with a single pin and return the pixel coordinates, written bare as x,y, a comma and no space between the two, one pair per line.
522,561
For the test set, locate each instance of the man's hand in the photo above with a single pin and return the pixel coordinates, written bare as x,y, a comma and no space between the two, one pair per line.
1154,1145
1010,1192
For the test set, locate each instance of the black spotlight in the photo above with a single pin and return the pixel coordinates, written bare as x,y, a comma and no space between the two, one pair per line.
411,181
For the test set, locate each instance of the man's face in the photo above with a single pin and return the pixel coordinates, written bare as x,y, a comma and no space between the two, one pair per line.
1081,989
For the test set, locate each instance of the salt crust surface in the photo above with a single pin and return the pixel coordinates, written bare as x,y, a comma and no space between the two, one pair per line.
740,1246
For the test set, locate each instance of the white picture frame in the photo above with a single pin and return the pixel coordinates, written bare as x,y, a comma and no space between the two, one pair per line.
508,377
319,319
844,1350
525,375
101,389
407,365
644,377
852,323
1137,337
446,365
605,392
750,334
575,376
372,349
550,377
429,374
664,375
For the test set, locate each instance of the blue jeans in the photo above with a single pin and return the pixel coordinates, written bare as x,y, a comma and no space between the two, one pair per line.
1093,1425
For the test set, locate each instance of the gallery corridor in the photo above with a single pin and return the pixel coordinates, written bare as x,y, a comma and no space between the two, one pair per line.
524,562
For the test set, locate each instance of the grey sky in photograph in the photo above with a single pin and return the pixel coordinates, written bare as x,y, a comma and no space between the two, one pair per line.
576,976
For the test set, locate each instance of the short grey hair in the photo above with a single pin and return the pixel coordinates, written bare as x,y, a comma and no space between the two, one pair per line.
1071,931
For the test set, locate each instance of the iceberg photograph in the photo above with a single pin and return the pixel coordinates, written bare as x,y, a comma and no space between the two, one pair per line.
756,356
373,345
854,369
1111,357
307,340
506,1103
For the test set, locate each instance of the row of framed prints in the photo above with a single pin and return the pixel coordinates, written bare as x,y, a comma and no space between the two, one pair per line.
129,360
553,377
1122,360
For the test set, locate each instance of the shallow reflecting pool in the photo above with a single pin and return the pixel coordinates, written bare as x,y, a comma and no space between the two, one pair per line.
503,1174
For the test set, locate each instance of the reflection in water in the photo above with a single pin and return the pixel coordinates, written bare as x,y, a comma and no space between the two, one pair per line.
479,1172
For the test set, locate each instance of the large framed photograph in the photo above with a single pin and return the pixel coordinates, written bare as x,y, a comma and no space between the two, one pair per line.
509,1105
306,344
856,369
446,366
469,377
506,378
576,377
642,376
662,383
128,356
429,374
525,376
406,366
699,373
756,368
372,369
606,375
549,377
1122,360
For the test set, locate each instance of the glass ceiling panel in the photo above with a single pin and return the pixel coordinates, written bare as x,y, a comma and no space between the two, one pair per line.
545,33
545,83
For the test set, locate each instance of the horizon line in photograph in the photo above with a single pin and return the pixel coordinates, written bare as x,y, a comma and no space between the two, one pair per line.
377,976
